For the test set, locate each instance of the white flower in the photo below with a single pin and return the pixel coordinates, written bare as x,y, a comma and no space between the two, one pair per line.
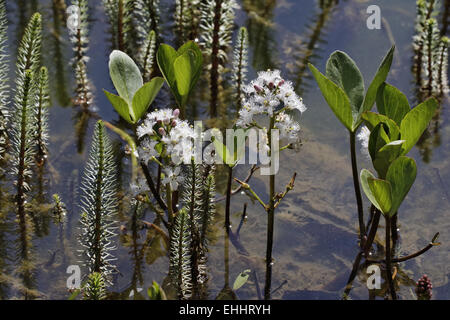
147,150
173,178
267,94
271,95
164,126
289,129
364,136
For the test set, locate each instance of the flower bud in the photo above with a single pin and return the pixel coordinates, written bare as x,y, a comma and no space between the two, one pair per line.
176,113
161,131
257,88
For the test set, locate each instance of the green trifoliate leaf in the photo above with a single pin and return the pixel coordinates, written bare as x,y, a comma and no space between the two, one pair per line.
416,122
392,103
401,175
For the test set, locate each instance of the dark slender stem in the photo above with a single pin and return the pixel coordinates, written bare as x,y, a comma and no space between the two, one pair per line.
246,180
228,199
388,258
408,257
270,222
152,187
394,230
356,185
372,231
227,259
365,250
241,223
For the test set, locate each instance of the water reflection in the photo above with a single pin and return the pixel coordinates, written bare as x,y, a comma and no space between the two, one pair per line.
143,247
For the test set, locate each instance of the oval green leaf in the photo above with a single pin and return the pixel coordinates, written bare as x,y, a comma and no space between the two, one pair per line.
392,103
125,75
416,122
378,80
241,279
376,191
335,97
145,96
401,175
342,70
121,106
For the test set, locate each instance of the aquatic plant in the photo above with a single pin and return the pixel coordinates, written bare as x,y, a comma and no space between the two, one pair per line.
124,21
430,50
198,200
95,287
79,36
181,69
98,206
147,56
217,20
23,119
272,97
155,292
394,131
134,97
41,117
4,87
59,210
187,18
180,255
188,244
343,89
424,288
240,63
148,17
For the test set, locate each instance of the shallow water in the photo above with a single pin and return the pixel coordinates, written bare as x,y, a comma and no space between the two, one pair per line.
316,226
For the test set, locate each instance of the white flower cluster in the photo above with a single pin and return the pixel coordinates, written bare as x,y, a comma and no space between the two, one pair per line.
363,137
270,95
163,134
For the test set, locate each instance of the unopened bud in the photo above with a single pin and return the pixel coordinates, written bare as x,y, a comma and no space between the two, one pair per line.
162,131
257,88
176,113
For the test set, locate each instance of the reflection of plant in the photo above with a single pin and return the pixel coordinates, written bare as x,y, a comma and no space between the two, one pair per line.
393,133
343,89
98,205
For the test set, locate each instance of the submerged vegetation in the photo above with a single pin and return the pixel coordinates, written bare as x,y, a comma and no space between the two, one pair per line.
165,176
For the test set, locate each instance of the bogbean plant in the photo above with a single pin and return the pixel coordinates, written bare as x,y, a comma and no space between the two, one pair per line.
343,89
386,138
391,134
